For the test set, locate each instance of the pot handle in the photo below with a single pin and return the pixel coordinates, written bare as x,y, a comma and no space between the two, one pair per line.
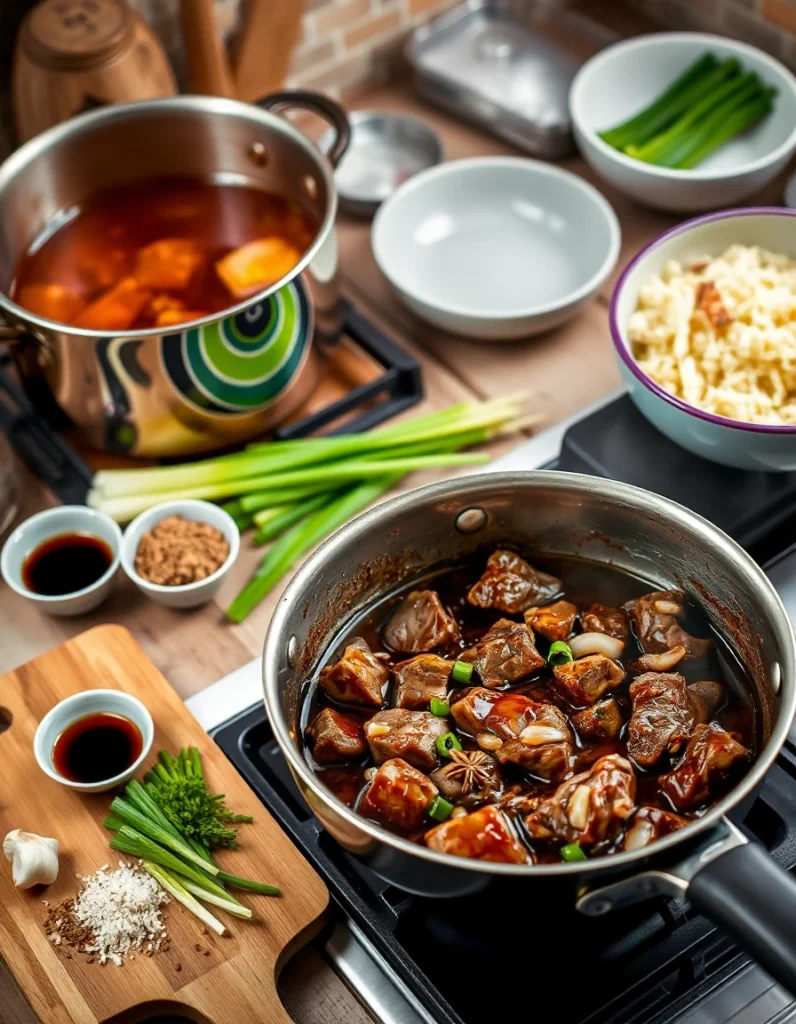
753,899
318,104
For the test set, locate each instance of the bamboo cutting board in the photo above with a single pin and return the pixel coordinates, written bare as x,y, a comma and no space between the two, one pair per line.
235,981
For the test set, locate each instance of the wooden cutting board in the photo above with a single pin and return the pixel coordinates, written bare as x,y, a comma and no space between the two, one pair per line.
236,982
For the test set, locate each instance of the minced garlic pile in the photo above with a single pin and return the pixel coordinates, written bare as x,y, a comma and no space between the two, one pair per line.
721,334
114,914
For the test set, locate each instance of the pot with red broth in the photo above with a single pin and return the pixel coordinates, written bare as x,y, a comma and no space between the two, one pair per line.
160,253
524,712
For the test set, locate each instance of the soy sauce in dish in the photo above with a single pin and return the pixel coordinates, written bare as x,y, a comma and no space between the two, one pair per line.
97,747
65,564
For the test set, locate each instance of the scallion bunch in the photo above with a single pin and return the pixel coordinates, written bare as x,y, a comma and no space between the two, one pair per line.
294,493
709,104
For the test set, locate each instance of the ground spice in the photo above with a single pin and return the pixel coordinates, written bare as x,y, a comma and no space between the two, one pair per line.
177,551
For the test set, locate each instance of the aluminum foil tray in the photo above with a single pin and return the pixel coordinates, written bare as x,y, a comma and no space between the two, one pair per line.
508,75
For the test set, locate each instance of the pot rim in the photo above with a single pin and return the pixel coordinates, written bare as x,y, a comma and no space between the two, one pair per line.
215,106
772,608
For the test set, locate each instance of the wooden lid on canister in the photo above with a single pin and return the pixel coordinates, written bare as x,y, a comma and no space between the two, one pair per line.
77,34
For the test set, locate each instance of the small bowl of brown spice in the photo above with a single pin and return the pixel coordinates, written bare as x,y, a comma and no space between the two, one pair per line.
179,553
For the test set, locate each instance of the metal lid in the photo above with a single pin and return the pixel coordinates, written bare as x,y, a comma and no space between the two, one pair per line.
77,34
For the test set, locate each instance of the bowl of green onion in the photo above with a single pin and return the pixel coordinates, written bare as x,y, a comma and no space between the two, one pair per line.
685,121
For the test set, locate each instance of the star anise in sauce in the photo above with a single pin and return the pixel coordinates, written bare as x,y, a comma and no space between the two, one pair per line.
473,767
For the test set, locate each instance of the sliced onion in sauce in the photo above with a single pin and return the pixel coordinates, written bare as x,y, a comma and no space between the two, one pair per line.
596,643
664,661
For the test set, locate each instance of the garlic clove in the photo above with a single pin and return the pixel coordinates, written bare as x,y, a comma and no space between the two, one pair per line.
34,858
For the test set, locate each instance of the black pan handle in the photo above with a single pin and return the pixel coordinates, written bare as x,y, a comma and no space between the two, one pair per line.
318,104
753,899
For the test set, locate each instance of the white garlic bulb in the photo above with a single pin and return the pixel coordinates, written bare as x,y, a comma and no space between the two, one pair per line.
34,859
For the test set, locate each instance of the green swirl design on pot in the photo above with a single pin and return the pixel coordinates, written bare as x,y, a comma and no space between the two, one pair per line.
241,363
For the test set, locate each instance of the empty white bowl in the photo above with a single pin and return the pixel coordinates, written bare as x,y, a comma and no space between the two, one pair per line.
53,522
189,595
756,446
625,78
496,247
92,702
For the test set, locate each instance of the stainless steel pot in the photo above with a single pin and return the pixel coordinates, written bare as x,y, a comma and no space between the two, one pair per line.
155,393
709,861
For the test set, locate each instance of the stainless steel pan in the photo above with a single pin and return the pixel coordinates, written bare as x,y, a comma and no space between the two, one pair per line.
709,862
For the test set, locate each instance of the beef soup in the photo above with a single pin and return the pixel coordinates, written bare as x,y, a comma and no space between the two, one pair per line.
530,713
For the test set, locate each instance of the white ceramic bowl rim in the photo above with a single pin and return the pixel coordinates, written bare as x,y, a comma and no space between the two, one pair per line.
44,760
166,509
696,173
537,166
627,356
52,512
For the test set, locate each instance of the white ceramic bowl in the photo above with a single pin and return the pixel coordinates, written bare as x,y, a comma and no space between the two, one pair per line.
731,442
496,247
91,702
53,522
190,595
623,79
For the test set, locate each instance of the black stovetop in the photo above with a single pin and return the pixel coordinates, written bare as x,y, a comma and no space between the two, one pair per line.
472,960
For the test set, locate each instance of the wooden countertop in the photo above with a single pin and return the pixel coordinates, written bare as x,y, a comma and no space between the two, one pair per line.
563,371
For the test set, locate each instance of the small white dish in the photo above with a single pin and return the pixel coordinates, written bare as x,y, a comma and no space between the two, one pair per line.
79,705
189,595
623,79
53,522
754,446
496,248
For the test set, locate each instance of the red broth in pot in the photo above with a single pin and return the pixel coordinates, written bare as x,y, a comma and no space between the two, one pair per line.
159,254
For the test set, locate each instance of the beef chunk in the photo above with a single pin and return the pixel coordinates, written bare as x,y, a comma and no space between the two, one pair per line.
483,835
471,777
471,706
419,679
654,618
534,736
510,585
649,824
602,619
590,807
411,735
398,795
357,678
336,737
504,654
585,680
420,623
664,716
710,695
710,755
552,621
602,721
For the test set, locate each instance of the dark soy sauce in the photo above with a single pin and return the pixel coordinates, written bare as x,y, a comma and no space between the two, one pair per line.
65,564
97,747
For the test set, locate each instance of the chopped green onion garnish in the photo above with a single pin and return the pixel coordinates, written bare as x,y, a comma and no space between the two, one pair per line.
462,672
447,743
572,852
440,809
560,653
439,707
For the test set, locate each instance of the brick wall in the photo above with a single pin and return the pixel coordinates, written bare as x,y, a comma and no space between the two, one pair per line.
346,44
768,24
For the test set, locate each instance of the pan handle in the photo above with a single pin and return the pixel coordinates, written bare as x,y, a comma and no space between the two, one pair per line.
753,899
318,104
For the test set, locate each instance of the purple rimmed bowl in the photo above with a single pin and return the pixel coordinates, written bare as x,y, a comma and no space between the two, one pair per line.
731,442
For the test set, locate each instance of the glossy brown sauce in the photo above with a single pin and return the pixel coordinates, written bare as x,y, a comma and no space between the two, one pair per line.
65,564
97,747
583,584
90,249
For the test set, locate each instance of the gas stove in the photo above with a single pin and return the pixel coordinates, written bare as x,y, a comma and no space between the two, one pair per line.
411,959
